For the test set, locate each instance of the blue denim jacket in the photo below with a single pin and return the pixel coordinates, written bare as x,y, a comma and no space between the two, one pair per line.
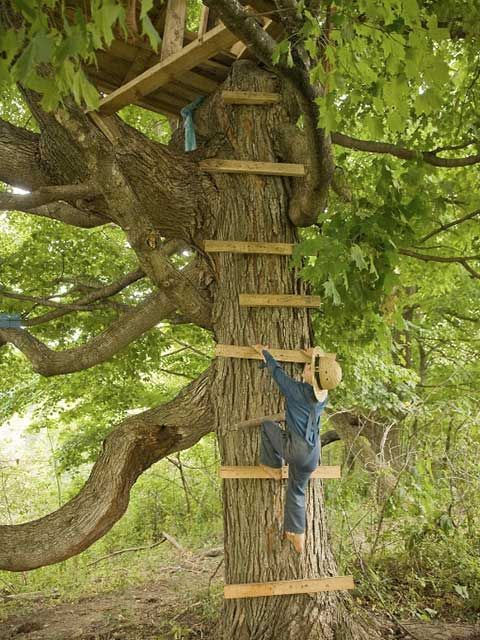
302,409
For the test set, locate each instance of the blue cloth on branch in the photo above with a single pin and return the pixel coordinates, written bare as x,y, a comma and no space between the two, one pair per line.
10,321
189,127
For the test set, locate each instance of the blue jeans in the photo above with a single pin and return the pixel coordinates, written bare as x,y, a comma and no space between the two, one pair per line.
278,445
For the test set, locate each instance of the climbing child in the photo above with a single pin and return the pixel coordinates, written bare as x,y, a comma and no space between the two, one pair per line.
299,444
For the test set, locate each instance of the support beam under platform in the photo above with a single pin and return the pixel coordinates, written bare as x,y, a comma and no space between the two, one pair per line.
253,167
325,472
287,587
200,50
249,353
278,300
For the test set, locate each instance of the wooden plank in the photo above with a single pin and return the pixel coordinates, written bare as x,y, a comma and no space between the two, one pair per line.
109,129
195,53
202,27
278,300
250,97
287,587
172,40
249,166
234,246
152,102
323,471
249,353
198,81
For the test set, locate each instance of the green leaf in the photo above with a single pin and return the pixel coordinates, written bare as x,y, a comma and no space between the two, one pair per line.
331,291
374,126
88,92
29,9
146,6
427,102
282,48
357,256
105,18
149,30
411,13
11,42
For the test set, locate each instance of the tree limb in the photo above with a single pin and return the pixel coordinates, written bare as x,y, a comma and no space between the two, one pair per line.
177,285
46,195
429,157
68,214
463,260
329,436
103,346
461,316
64,307
98,294
449,225
131,448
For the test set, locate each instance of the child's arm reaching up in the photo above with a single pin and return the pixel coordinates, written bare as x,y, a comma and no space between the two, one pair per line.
288,386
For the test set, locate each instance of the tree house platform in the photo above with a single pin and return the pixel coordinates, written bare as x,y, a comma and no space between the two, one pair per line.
188,64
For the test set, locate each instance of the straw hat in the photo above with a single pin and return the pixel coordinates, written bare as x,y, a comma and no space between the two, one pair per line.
326,372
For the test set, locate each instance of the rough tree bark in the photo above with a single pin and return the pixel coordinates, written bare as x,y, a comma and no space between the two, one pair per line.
152,192
256,208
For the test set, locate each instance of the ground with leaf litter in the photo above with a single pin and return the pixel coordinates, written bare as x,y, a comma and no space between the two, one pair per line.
182,604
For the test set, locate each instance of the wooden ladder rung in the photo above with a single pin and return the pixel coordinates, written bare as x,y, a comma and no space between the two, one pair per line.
249,353
249,166
250,97
234,246
287,587
330,472
278,300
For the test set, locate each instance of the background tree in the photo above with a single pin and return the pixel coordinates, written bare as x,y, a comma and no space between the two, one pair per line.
150,201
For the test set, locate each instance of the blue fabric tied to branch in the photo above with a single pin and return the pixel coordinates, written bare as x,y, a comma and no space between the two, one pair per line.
10,321
189,127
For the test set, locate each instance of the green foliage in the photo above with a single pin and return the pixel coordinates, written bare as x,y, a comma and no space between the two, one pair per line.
46,44
405,331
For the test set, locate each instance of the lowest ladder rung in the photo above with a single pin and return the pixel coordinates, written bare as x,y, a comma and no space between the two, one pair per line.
325,472
249,353
249,166
234,246
278,300
250,97
287,587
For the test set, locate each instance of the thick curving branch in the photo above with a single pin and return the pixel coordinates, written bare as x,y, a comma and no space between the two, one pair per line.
68,214
131,325
179,286
46,195
131,448
430,157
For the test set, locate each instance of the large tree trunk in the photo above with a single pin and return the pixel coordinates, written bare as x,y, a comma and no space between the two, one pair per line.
255,208
152,192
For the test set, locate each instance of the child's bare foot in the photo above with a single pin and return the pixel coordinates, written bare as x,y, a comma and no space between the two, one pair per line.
297,539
